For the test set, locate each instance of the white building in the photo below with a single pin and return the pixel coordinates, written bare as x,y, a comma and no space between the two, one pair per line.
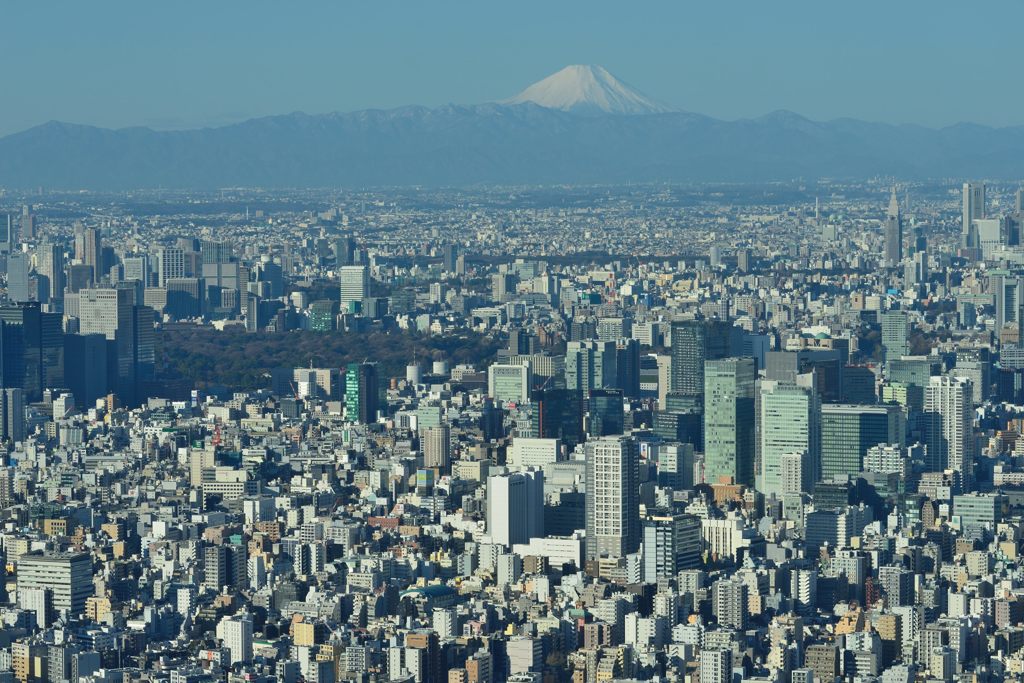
236,634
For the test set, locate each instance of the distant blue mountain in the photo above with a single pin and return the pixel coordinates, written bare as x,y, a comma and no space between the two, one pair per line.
510,143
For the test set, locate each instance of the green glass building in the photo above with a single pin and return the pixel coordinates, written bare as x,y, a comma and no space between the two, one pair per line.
729,420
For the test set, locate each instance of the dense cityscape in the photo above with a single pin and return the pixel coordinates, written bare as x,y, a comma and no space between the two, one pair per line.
694,434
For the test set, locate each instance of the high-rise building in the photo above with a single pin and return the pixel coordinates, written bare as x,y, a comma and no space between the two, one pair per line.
110,312
436,444
170,265
675,466
590,364
50,265
605,416
627,367
19,287
895,335
224,566
729,598
693,343
515,507
86,367
12,415
612,500
92,252
558,414
235,632
715,666
362,393
788,421
213,251
973,208
509,383
671,543
355,286
848,431
23,329
729,420
68,576
893,232
450,257
948,426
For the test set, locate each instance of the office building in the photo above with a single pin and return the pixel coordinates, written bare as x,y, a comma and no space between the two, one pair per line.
515,507
605,412
170,265
973,209
509,383
693,343
848,431
895,335
591,364
671,543
67,576
355,286
362,391
729,420
788,421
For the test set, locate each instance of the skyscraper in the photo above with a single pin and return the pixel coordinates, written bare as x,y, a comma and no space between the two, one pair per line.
848,431
18,286
729,420
605,412
12,415
170,265
693,343
893,232
895,334
110,312
788,422
515,507
50,264
92,252
24,337
973,208
436,445
509,383
355,286
590,364
948,420
361,392
613,499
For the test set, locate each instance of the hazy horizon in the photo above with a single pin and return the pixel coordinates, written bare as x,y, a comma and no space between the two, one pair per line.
193,64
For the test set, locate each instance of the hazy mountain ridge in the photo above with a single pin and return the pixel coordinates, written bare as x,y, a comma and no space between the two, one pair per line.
498,143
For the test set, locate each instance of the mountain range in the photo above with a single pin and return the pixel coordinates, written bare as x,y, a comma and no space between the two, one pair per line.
580,125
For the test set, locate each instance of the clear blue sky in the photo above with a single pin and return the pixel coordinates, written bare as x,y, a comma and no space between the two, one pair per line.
186,63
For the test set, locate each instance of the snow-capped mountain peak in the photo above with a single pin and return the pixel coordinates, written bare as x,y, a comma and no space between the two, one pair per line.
588,89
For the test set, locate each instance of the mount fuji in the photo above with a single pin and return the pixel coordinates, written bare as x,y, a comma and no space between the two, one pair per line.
578,126
588,89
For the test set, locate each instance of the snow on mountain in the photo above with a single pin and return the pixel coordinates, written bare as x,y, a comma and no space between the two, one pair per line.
587,89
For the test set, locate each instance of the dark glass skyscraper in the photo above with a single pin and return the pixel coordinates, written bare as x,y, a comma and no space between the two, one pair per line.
693,343
361,392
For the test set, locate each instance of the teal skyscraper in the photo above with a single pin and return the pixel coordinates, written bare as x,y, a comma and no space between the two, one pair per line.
729,420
